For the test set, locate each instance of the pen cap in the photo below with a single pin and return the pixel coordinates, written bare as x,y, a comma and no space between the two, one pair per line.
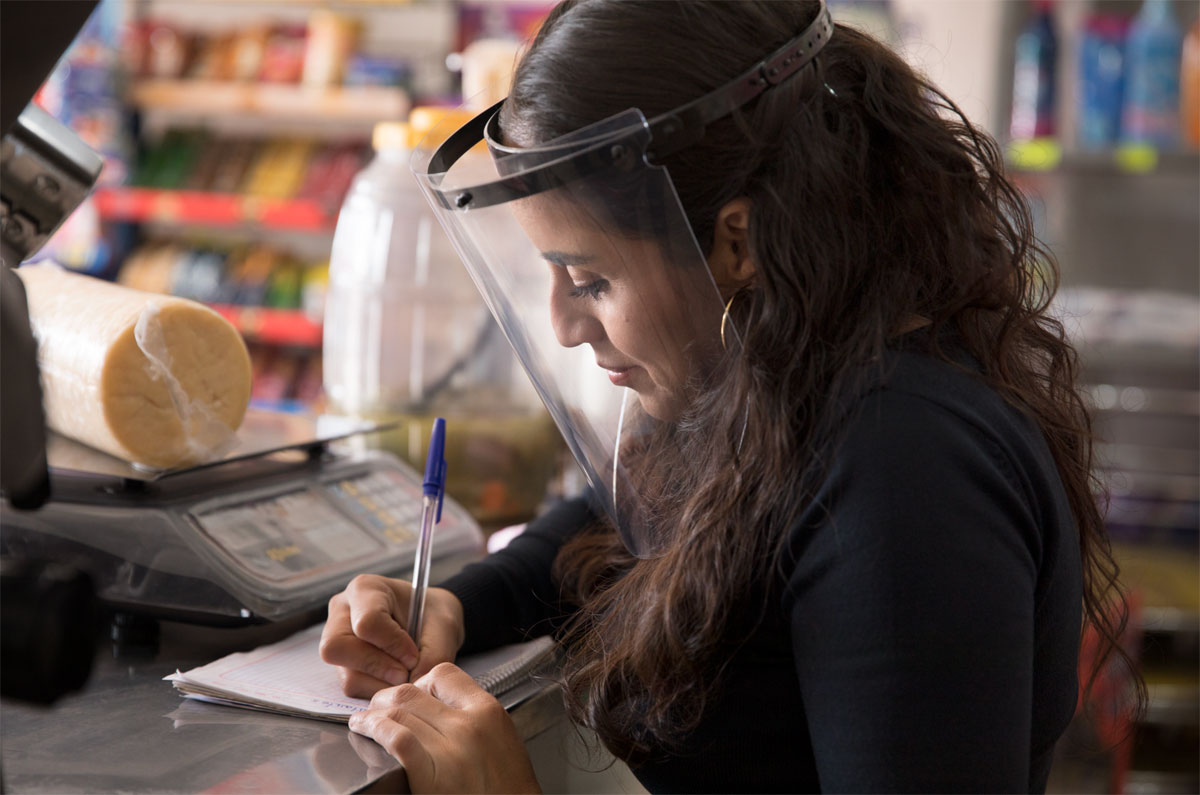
435,464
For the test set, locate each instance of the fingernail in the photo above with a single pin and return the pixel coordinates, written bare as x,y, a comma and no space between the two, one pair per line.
352,724
395,676
409,661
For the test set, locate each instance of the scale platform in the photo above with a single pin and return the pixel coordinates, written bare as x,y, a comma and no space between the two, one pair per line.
270,530
262,433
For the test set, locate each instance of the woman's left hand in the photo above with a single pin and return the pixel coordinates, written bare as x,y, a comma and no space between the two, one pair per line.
450,734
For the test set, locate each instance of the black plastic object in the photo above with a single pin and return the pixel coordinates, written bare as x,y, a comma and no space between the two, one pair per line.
33,36
24,479
51,621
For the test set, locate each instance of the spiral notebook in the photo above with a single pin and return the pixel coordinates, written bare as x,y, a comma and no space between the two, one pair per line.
290,678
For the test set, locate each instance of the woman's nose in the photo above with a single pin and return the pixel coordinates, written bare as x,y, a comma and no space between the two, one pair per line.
573,320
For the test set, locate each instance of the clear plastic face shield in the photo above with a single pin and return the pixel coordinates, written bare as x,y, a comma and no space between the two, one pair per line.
585,256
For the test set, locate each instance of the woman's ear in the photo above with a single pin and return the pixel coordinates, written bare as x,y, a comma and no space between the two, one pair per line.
730,259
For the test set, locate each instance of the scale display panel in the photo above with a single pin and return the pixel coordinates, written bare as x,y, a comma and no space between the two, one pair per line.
318,528
288,535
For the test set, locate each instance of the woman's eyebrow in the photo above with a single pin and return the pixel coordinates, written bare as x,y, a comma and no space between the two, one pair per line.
565,260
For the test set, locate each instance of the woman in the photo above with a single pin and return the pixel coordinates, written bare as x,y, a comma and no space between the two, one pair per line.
845,537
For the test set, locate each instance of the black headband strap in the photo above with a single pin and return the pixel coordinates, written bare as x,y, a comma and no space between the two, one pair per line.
683,126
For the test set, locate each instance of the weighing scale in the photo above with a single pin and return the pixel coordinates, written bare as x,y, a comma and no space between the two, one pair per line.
271,530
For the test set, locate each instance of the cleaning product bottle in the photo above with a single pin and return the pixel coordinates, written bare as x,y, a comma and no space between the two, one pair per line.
1189,84
1101,80
1153,52
1033,109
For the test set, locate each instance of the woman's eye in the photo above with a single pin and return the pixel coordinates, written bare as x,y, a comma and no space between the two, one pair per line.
591,289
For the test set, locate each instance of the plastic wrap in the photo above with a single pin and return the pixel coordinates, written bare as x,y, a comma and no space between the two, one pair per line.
159,381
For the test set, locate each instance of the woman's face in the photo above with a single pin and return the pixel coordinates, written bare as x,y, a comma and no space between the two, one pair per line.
653,325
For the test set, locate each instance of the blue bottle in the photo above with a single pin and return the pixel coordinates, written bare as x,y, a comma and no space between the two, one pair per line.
1101,80
1033,109
1152,54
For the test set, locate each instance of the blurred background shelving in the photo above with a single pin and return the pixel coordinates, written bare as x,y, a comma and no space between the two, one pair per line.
232,132
282,102
199,208
288,327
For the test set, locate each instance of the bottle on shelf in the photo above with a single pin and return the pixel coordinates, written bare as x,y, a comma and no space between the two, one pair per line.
1189,85
1033,108
1101,80
1153,52
408,338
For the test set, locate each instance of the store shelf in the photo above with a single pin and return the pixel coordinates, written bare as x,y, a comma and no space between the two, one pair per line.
212,209
197,97
273,326
1049,156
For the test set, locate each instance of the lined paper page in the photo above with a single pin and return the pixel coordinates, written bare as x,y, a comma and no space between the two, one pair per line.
289,674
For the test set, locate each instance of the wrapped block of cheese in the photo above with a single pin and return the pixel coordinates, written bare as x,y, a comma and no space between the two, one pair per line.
159,381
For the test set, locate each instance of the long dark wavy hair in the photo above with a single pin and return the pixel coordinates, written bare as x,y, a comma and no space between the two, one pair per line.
873,200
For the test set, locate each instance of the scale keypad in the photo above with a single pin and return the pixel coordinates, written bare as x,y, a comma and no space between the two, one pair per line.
385,501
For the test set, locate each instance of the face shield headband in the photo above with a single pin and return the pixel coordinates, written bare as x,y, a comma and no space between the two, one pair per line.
585,256
669,132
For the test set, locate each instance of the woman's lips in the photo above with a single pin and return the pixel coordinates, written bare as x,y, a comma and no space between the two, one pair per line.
619,375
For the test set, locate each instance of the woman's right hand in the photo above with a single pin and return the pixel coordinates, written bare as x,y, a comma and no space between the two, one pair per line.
365,634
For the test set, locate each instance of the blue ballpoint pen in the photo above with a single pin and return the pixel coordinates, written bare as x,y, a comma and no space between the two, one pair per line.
434,489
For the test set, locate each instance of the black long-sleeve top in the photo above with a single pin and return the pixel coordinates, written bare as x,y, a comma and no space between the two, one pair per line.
928,631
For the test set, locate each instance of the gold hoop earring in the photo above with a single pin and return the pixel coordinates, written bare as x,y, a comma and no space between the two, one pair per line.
725,318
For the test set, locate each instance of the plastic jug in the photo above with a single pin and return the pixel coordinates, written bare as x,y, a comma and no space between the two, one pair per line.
407,338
